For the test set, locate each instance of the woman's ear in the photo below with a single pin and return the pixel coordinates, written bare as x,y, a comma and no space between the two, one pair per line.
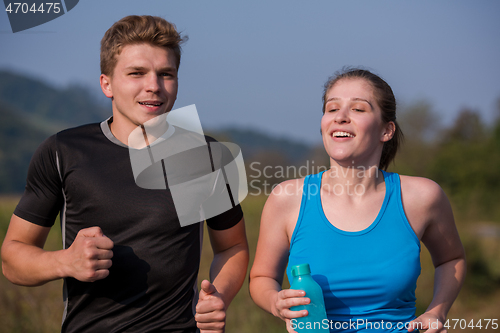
389,130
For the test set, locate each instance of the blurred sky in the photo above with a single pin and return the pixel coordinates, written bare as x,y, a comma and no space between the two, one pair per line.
262,64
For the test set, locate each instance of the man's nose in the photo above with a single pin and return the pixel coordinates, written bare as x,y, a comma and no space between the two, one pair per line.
152,83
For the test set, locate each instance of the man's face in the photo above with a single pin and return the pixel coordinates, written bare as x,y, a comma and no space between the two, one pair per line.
143,85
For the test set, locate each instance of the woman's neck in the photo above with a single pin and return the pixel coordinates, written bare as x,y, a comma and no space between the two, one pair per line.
352,179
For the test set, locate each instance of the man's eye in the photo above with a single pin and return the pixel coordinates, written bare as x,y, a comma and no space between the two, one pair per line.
135,73
166,74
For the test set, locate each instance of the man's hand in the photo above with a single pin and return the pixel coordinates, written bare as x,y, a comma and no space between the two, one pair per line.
88,259
210,310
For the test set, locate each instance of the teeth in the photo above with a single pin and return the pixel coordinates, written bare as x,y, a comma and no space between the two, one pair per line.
343,134
154,104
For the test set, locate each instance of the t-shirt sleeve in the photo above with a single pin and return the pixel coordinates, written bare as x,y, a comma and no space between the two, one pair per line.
227,219
232,216
43,197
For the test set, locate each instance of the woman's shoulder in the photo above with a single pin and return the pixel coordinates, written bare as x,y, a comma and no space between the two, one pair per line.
285,197
287,192
282,207
421,189
423,201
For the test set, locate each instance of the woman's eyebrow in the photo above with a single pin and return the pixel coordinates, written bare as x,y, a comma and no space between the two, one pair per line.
356,99
362,100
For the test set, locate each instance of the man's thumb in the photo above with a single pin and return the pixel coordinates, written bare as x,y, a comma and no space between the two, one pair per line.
91,232
207,287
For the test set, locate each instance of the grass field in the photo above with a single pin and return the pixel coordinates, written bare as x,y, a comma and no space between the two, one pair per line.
39,309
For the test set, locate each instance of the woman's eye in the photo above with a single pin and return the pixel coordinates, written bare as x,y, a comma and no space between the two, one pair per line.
359,110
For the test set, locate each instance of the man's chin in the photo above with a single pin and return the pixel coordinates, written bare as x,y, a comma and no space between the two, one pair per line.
156,123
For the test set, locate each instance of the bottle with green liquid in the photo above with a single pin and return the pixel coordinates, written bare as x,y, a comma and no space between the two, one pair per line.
316,321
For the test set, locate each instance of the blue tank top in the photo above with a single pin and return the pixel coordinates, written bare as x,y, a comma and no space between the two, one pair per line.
368,277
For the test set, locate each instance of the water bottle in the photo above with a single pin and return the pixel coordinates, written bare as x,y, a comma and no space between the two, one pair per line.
316,321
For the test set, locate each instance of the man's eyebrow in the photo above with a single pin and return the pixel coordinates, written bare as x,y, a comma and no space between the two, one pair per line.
166,69
135,68
141,68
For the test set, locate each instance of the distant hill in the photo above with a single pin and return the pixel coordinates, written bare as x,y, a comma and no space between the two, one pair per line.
31,110
64,107
18,140
253,142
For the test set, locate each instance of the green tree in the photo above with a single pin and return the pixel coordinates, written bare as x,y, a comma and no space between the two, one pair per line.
467,165
421,127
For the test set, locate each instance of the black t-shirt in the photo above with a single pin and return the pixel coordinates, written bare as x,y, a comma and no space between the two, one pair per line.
85,174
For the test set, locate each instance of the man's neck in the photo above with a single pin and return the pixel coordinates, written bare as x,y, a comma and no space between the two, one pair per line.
138,136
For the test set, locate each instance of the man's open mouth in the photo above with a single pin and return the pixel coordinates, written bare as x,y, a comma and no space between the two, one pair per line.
151,104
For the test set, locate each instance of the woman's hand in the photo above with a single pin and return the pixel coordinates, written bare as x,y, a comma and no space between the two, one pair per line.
429,322
285,299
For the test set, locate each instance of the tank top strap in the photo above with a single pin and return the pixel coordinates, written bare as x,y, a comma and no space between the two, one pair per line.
393,190
310,195
393,184
391,181
311,190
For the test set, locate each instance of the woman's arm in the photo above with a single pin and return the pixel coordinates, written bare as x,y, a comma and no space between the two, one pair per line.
266,276
436,225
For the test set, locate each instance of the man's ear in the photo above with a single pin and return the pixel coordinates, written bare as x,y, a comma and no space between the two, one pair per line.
389,130
106,85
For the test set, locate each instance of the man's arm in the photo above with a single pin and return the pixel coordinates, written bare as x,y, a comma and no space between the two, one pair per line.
227,272
24,261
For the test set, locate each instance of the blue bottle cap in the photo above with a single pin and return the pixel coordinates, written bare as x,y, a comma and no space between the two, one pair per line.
301,269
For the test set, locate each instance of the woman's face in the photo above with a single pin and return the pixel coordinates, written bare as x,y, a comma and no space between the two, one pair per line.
352,127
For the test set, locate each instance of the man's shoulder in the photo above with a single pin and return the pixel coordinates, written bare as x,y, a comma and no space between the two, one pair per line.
51,143
79,136
71,137
81,130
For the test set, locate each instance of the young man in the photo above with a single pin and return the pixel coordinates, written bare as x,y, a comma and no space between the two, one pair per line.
127,263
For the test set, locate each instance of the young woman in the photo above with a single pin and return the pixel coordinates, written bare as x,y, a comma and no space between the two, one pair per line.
357,226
